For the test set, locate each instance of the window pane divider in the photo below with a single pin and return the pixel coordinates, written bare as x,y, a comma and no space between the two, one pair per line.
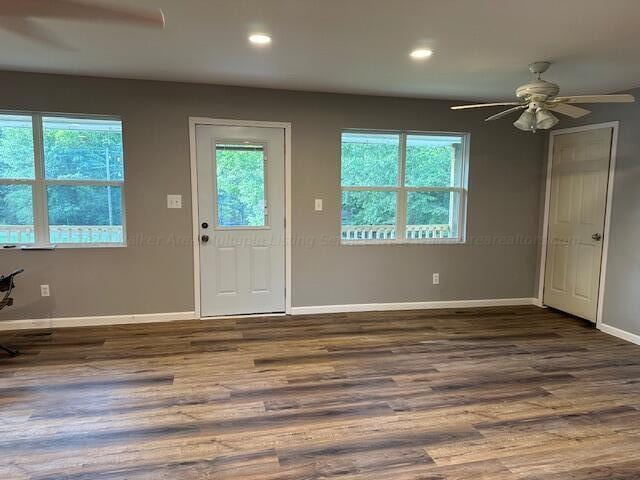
40,209
365,189
370,189
85,183
401,202
434,189
15,181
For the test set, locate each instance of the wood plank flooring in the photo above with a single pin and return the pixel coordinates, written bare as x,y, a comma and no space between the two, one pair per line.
486,394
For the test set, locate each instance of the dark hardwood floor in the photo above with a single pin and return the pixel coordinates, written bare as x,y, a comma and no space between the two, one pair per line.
479,394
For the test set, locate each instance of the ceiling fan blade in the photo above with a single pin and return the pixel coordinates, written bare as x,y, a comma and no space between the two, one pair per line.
79,10
31,30
505,113
569,110
481,105
617,98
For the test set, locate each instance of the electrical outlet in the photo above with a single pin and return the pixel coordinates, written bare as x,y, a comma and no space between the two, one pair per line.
174,201
44,290
318,205
436,279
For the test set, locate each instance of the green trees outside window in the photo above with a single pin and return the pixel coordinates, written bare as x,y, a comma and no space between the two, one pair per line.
240,185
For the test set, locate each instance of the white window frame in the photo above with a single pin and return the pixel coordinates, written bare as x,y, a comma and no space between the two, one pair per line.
402,190
39,186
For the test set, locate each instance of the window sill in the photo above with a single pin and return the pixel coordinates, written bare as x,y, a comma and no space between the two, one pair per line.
66,246
423,241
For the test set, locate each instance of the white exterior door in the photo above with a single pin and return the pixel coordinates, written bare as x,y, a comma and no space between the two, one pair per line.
579,180
241,209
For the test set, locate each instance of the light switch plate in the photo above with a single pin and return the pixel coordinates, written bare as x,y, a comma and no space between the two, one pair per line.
44,291
174,201
436,279
318,205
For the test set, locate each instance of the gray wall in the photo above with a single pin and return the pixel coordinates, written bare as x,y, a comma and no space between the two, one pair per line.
154,273
621,295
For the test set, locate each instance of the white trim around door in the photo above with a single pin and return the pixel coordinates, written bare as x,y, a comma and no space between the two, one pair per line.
607,217
193,122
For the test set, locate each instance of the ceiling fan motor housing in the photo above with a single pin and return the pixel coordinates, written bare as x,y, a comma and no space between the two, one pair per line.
537,90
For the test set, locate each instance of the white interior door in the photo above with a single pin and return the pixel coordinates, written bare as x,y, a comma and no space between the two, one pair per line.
241,208
579,180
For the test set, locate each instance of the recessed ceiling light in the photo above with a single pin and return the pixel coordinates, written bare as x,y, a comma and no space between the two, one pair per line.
259,39
420,53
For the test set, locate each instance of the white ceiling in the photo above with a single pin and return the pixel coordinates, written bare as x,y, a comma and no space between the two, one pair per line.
482,47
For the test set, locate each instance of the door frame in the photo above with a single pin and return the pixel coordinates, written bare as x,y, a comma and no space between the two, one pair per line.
220,122
607,213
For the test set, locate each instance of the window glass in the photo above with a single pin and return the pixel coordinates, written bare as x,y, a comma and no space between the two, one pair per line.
16,147
370,159
82,149
431,161
432,214
240,185
85,214
16,214
368,215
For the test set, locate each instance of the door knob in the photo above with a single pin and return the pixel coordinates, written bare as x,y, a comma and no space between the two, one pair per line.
204,238
597,237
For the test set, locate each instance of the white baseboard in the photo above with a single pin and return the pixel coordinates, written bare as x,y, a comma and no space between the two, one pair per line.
372,307
174,316
93,321
623,334
309,310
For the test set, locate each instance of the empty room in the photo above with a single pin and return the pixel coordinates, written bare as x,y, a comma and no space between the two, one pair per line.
303,239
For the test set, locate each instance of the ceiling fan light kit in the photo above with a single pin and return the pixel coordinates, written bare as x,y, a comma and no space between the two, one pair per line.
546,120
540,97
527,121
530,121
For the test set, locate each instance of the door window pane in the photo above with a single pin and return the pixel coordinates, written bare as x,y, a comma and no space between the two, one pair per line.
85,214
432,214
240,185
433,161
370,159
16,147
82,149
16,214
368,215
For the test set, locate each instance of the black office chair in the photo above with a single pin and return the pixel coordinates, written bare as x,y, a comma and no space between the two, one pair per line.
7,285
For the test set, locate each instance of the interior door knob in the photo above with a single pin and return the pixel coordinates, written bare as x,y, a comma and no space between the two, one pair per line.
597,237
204,238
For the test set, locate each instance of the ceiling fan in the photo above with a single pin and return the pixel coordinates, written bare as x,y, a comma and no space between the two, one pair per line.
18,16
539,98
